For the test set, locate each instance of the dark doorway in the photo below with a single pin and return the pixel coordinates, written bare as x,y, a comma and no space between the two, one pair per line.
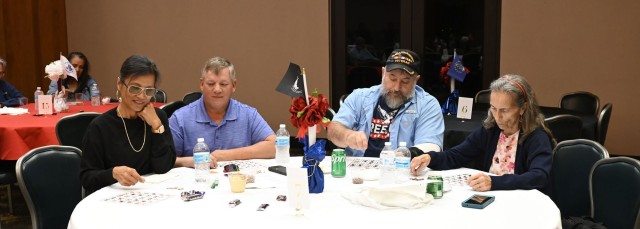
364,32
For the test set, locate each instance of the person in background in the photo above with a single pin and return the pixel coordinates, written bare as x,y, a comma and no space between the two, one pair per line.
514,140
397,111
360,54
9,95
130,140
231,129
70,84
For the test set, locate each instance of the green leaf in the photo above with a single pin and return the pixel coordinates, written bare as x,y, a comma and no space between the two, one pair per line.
300,113
326,120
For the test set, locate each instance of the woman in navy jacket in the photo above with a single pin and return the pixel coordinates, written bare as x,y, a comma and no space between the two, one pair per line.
514,139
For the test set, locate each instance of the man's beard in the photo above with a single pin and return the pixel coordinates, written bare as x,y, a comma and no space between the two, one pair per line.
395,102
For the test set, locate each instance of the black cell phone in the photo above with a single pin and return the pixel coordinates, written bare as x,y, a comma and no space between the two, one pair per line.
478,201
279,169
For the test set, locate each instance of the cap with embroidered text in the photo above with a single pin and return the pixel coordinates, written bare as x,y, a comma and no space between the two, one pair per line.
404,59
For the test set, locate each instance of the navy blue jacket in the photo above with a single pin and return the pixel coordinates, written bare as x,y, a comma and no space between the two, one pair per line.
532,165
9,95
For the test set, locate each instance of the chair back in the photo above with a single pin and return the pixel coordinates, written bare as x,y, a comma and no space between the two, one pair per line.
581,101
160,96
49,178
572,162
483,96
8,178
171,107
191,96
342,98
565,127
70,129
603,123
615,188
330,113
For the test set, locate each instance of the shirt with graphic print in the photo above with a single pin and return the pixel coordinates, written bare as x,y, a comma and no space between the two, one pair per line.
383,116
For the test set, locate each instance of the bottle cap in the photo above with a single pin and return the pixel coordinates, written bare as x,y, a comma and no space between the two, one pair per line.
403,144
39,88
282,126
200,139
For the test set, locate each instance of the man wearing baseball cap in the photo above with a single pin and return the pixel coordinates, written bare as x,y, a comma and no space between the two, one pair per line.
395,111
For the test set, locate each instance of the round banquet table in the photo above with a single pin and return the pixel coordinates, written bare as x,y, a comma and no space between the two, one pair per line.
511,209
21,133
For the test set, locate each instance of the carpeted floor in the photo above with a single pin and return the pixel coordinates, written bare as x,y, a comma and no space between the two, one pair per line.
20,217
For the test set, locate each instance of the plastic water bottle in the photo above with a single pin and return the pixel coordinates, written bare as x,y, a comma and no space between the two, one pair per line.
35,97
387,165
201,160
282,145
95,95
403,161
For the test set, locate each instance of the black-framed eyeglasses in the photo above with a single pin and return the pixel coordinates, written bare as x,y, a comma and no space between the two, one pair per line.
136,90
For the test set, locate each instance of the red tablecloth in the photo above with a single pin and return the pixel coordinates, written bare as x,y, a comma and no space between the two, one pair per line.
21,133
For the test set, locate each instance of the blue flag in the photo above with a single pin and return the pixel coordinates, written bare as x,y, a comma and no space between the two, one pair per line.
456,70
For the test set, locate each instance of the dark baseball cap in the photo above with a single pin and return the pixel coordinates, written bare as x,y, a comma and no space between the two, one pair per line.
404,59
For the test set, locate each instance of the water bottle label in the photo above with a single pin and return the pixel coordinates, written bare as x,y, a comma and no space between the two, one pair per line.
388,162
403,162
201,157
282,141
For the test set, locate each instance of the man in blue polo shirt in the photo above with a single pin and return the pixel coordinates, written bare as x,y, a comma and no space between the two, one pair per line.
232,130
396,111
9,95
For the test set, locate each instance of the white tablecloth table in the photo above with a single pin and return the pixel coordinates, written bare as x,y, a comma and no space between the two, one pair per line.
511,209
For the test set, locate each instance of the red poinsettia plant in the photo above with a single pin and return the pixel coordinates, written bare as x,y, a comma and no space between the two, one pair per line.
444,77
304,116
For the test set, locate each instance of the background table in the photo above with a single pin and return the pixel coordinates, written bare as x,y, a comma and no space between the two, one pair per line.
511,209
21,133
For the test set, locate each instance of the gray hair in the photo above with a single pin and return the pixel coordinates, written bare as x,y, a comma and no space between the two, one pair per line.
3,62
525,98
216,64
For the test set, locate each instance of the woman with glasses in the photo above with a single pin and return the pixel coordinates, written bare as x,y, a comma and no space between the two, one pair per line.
129,140
70,84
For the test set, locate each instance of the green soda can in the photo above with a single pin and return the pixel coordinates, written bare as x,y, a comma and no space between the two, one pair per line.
338,163
434,187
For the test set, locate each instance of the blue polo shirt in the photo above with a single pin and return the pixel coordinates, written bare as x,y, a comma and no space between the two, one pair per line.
418,121
241,126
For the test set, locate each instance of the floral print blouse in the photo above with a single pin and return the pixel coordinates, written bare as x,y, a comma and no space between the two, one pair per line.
505,157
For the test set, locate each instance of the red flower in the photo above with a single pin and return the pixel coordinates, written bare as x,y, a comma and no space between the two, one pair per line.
304,116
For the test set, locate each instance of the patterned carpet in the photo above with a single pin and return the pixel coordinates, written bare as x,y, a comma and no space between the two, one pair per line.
20,217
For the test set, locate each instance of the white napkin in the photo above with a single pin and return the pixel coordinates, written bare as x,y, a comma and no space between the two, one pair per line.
159,178
410,195
13,111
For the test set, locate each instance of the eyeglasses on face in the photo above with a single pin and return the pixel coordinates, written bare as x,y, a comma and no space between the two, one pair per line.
136,90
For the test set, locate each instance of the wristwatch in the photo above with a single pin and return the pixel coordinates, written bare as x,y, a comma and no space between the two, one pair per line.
159,130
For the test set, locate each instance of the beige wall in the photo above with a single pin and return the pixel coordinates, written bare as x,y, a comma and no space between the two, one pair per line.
560,46
579,45
259,37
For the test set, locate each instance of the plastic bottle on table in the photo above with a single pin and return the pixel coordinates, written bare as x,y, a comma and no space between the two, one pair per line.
387,165
282,145
403,161
95,95
35,97
201,160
